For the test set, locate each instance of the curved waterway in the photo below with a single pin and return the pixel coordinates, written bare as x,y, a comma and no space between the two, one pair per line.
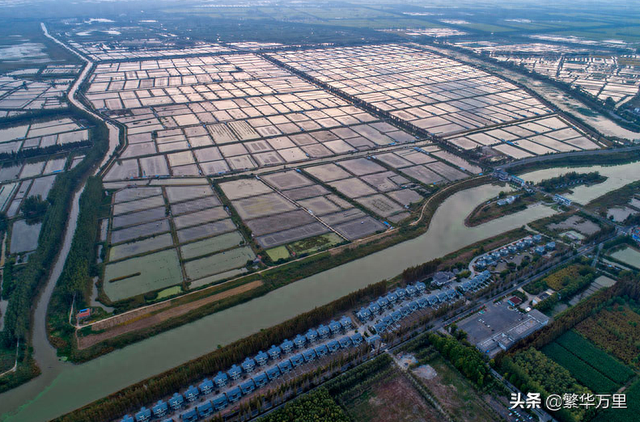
44,353
68,386
617,177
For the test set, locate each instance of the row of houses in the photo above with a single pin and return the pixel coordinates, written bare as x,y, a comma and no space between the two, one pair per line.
411,295
562,200
384,302
491,258
543,249
238,380
476,282
382,310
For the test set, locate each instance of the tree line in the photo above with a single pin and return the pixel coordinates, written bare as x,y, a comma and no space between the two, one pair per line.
559,183
17,323
76,277
317,406
465,357
162,385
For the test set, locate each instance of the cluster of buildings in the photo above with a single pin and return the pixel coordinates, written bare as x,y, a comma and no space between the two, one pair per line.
561,200
480,280
507,201
503,176
243,379
492,258
384,312
503,340
635,234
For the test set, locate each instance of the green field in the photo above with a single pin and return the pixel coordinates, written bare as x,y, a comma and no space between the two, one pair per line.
169,292
315,244
141,275
592,367
280,252
210,245
629,256
630,414
219,263
580,370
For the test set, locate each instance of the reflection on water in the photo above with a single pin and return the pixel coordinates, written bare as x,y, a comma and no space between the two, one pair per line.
76,385
65,387
71,386
617,177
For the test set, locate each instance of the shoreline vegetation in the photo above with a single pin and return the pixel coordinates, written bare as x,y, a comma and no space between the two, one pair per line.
271,278
491,210
159,386
19,313
564,183
164,315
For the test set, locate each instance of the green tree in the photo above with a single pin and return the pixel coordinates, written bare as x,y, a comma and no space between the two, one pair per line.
34,208
609,102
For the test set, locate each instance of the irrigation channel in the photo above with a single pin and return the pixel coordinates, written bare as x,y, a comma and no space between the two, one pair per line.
63,387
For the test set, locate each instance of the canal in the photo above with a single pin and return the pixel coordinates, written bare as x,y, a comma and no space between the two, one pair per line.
64,386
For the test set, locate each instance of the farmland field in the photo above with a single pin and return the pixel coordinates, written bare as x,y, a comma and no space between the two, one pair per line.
199,217
205,230
219,263
615,329
134,248
138,217
630,414
143,230
291,235
141,275
597,358
260,206
278,253
582,371
315,243
455,393
629,256
24,237
275,223
213,244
